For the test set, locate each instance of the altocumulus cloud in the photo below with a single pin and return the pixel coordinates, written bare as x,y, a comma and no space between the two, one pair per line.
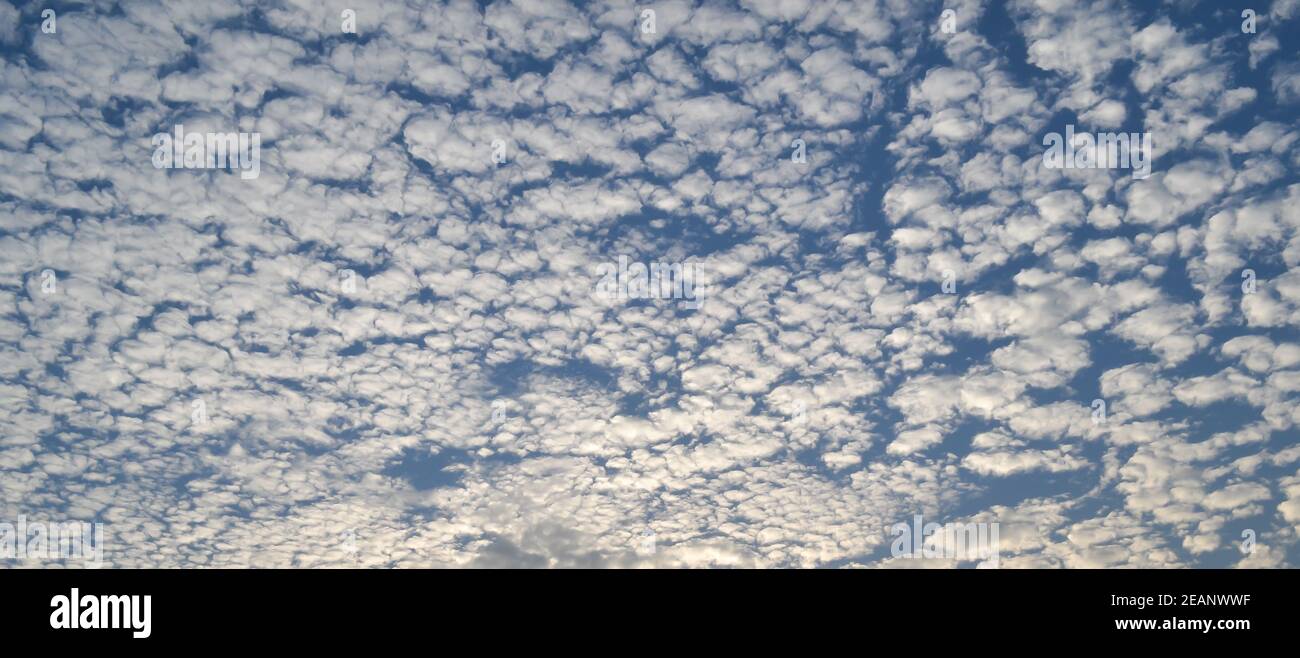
388,346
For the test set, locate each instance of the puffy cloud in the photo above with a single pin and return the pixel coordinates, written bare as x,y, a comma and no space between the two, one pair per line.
397,346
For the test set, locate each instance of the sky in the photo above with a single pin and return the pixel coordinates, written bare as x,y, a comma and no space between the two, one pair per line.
399,342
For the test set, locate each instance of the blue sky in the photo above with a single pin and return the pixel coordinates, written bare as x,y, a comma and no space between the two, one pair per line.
392,346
